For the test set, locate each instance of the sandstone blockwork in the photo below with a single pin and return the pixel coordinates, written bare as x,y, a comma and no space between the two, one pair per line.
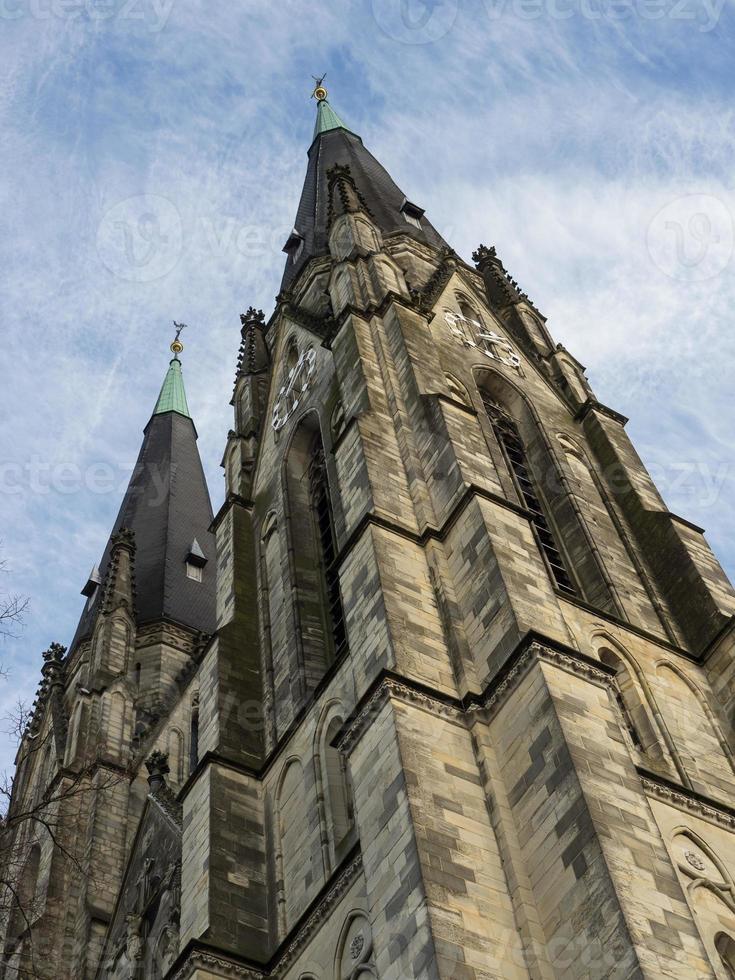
467,709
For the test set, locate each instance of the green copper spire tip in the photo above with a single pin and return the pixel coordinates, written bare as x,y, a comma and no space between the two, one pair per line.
173,396
326,118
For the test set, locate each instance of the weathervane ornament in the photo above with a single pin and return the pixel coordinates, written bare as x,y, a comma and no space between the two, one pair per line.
176,345
319,93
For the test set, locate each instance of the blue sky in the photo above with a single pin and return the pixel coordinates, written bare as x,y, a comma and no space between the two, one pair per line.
590,140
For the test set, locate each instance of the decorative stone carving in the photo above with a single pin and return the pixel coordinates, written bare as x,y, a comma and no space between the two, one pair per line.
134,947
678,797
701,868
695,860
491,698
355,950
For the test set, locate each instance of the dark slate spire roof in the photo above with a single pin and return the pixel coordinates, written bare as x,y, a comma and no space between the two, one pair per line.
334,144
167,506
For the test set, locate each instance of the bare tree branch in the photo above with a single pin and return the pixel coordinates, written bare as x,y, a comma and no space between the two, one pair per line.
12,608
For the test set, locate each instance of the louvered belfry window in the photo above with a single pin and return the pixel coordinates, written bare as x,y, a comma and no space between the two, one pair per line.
509,437
319,489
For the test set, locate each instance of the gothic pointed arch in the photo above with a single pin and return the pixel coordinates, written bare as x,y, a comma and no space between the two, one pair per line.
23,902
293,853
313,551
705,752
457,390
290,356
333,784
710,890
175,749
518,442
725,946
97,647
194,731
559,526
114,722
119,643
354,956
77,733
632,697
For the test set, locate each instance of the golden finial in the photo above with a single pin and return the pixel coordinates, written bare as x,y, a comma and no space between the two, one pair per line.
319,93
176,345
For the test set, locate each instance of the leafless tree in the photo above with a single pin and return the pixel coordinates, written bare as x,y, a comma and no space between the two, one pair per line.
12,607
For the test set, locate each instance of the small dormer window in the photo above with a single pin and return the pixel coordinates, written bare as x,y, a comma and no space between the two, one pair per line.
195,562
412,213
294,245
91,585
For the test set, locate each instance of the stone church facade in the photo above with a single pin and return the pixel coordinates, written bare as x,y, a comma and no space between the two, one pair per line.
443,690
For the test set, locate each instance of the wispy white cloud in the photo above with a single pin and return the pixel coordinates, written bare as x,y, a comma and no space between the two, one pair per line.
559,140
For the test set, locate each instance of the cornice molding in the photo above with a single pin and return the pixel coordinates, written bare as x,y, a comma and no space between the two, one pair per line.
592,405
320,326
230,501
202,959
687,800
480,706
391,688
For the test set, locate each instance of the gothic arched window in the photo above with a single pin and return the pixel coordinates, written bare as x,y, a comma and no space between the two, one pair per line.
294,855
625,694
725,946
324,527
292,357
337,791
194,734
313,548
23,906
470,313
509,436
338,422
474,326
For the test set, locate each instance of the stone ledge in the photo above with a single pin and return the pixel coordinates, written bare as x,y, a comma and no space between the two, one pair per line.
533,648
686,799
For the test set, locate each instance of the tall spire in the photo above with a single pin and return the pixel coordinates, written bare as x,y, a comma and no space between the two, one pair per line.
166,506
334,145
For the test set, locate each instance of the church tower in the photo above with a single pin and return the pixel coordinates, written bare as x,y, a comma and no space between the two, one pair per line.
466,711
107,703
